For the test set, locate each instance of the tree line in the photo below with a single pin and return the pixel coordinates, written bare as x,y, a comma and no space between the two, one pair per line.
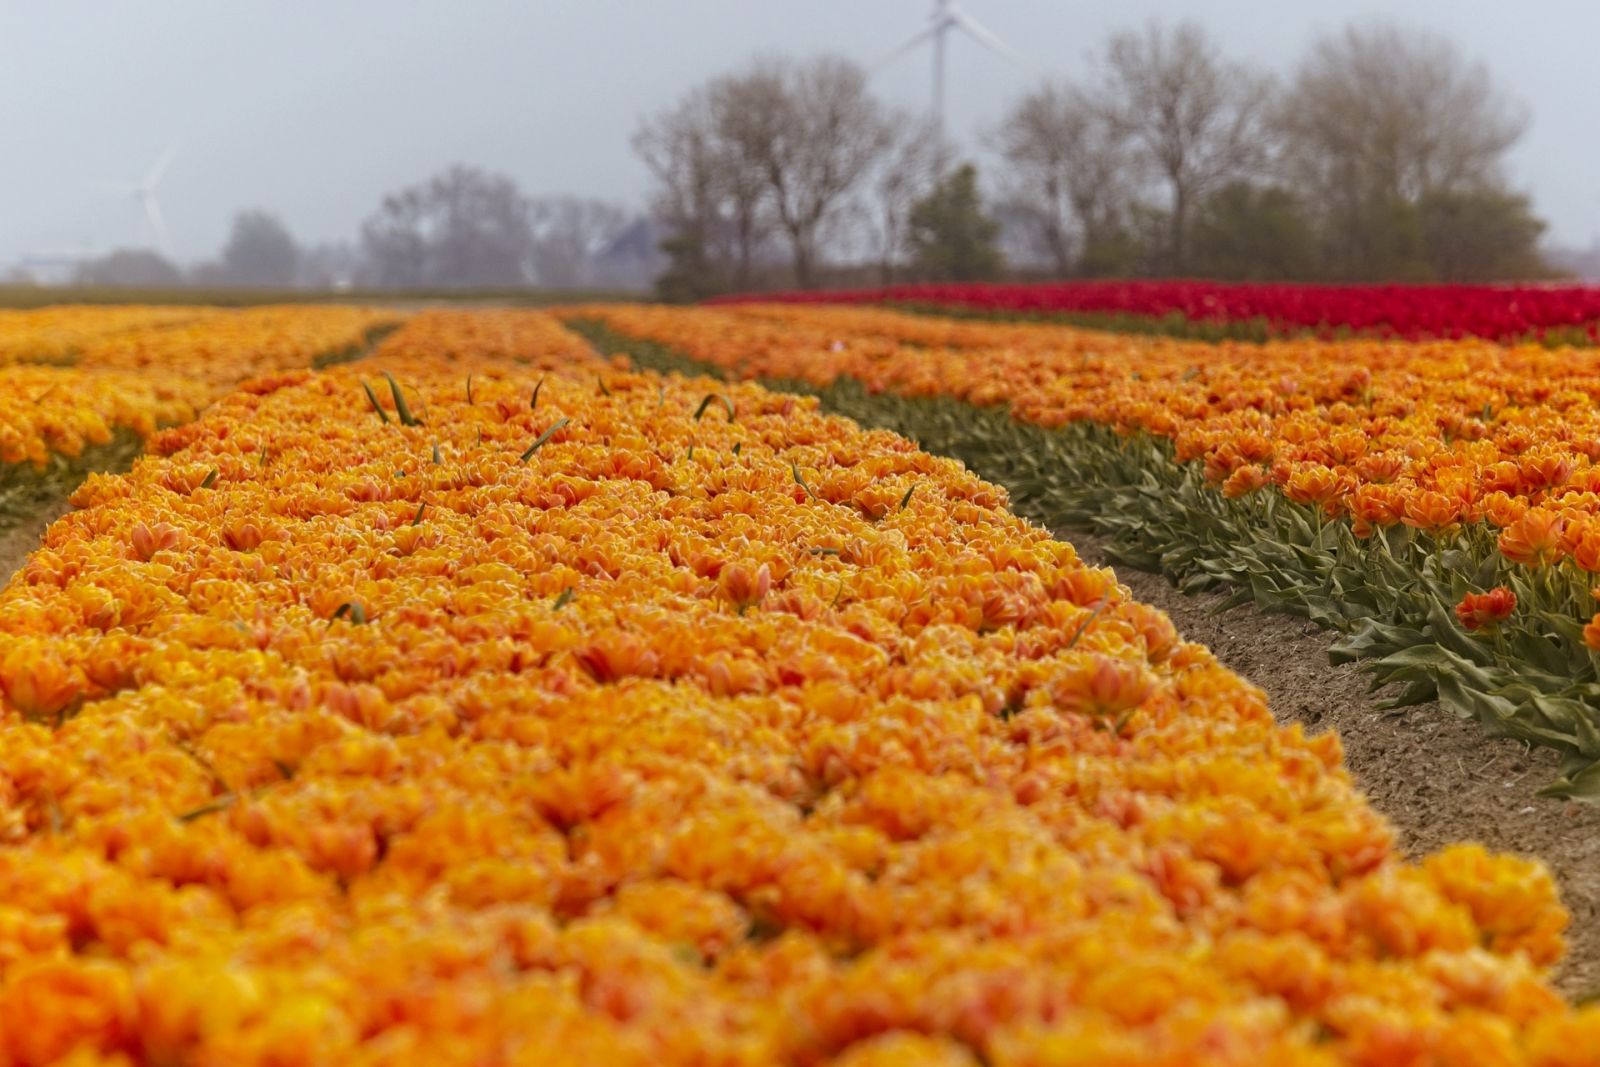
463,228
1379,156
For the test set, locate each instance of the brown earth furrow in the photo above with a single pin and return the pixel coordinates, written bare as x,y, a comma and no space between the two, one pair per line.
20,534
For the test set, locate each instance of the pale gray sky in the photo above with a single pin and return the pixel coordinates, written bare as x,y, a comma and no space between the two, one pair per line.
314,110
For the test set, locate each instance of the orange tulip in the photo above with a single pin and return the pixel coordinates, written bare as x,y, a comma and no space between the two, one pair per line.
1244,481
1432,512
744,586
1485,611
37,681
1591,633
148,540
1535,539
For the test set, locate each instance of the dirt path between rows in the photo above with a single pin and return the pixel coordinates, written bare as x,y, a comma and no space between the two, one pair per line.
19,537
1437,778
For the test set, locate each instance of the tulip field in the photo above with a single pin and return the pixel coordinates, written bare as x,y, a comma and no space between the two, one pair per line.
512,687
1438,502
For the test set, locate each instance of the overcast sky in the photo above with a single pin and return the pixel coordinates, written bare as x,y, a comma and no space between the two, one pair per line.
314,110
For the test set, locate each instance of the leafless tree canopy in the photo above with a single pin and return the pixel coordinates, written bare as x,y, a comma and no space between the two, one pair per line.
130,267
464,228
1166,157
1397,110
569,232
916,157
1069,165
260,252
813,131
782,145
1379,127
1195,118
467,228
708,195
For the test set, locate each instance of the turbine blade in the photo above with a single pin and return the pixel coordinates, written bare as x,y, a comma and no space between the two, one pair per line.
919,38
981,33
153,175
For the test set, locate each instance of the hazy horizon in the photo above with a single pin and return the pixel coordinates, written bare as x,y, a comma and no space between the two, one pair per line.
314,118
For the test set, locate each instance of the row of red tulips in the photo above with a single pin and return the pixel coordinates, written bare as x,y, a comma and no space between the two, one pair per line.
1567,312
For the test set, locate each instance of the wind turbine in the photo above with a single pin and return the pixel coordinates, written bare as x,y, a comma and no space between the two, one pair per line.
947,16
145,194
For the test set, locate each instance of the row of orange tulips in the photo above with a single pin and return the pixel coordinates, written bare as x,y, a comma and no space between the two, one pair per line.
1376,486
79,376
61,411
58,334
223,349
447,710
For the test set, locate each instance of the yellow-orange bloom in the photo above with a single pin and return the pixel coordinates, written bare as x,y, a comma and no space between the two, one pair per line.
1535,539
743,585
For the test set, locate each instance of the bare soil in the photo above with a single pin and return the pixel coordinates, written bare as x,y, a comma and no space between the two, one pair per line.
1437,778
19,535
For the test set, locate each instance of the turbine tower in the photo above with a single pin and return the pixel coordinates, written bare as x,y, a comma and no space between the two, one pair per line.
947,16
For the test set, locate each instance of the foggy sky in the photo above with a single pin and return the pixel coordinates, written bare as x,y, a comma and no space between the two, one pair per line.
314,110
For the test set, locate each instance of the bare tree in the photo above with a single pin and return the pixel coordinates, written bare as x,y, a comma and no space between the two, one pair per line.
1069,166
737,104
1405,106
568,233
815,132
711,198
1376,119
914,160
1195,118
782,145
463,228
260,251
130,267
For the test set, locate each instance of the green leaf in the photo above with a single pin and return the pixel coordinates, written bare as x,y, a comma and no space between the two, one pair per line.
1579,785
794,469
400,406
701,410
373,399
533,405
602,383
210,479
416,520
357,613
544,437
469,389
1083,626
907,498
564,599
222,803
